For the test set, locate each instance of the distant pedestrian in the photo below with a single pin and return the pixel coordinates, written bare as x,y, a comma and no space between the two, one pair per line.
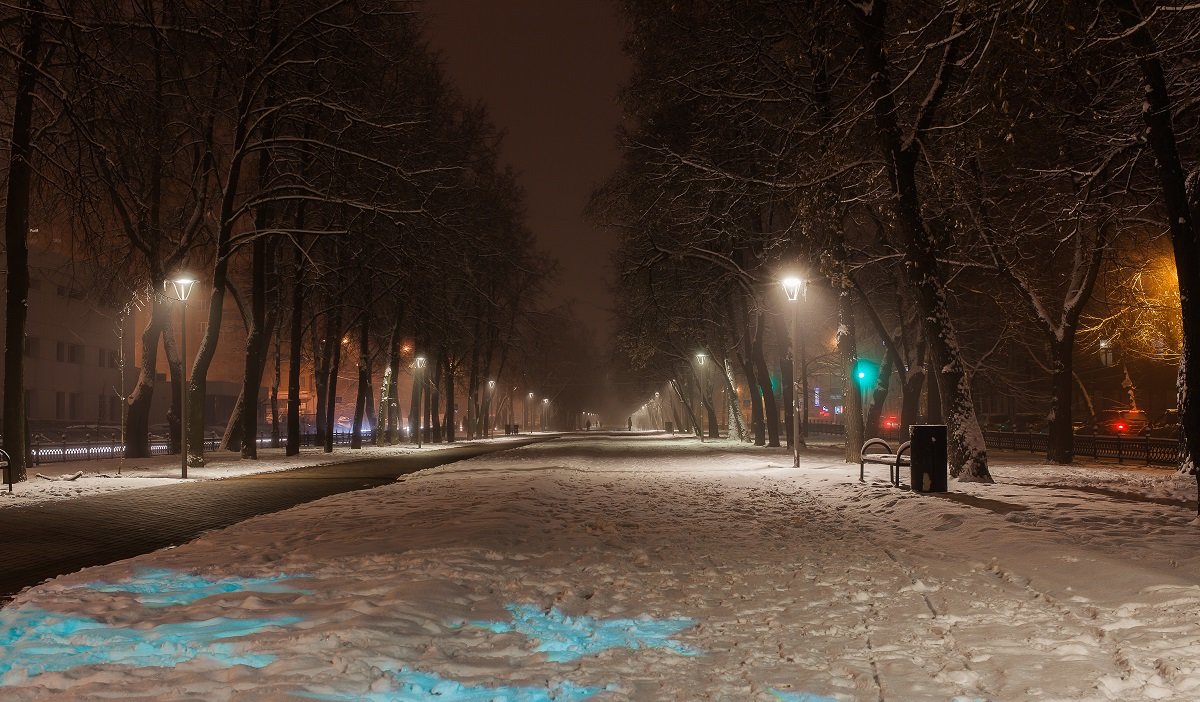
629,422
588,426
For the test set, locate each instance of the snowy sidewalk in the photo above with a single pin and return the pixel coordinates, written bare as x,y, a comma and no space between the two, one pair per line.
646,569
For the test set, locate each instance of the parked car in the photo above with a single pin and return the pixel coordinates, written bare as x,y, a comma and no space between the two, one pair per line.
1122,422
1166,426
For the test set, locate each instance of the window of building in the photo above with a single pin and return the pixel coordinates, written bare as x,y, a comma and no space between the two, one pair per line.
60,405
32,347
102,409
113,360
73,405
69,353
114,408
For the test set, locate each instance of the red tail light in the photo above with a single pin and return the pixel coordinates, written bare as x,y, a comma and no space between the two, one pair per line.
1121,426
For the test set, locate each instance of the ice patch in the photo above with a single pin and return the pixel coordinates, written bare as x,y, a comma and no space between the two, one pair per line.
564,638
801,696
415,686
37,641
163,587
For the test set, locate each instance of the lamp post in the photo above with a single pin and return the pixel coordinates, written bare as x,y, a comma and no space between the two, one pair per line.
419,367
181,289
545,407
529,414
795,288
487,420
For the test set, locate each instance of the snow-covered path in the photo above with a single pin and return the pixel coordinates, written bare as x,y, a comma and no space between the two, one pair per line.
644,569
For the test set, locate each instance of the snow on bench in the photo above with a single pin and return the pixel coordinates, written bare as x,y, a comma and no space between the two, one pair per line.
893,460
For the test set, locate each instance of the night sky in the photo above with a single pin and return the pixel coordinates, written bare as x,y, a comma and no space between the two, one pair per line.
549,71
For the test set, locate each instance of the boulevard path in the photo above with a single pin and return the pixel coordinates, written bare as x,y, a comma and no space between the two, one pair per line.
598,568
46,540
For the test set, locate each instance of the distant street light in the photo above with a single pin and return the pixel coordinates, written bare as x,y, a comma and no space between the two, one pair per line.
419,370
545,406
795,288
487,420
181,289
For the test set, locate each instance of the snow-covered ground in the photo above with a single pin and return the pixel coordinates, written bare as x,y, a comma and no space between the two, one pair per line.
58,481
647,568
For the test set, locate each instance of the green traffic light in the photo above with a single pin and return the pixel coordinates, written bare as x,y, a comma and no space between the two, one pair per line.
866,372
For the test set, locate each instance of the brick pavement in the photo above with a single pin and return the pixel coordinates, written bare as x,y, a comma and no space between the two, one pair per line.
43,541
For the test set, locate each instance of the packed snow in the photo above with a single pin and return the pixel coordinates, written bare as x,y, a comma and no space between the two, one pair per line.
648,568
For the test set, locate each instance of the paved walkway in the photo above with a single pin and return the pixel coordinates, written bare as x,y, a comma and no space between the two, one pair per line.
46,540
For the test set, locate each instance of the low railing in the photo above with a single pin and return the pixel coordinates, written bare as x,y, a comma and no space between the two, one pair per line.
1132,449
49,449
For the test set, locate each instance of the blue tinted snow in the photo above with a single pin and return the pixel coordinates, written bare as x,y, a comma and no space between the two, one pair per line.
162,587
36,641
416,686
564,638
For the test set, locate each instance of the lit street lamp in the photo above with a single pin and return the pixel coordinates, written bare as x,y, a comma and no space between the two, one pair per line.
487,421
545,406
419,368
529,414
181,289
795,289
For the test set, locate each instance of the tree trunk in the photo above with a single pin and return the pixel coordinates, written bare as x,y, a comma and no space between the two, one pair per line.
435,402
297,339
847,345
1181,220
967,453
788,386
390,415
256,340
335,363
137,430
737,428
1061,439
451,419
878,396
763,376
364,379
322,357
16,233
275,382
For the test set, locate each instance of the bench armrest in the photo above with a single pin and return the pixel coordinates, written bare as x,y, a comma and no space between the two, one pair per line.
877,442
906,446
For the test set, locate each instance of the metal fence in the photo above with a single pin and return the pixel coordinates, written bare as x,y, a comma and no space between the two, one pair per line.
1123,449
50,449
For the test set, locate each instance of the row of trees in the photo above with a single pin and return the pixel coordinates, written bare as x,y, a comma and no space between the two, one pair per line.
307,159
957,176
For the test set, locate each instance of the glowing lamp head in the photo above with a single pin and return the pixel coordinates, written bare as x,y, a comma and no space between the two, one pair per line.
700,359
181,286
420,361
793,287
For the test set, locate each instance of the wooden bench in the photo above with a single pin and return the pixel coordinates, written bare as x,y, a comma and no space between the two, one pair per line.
901,457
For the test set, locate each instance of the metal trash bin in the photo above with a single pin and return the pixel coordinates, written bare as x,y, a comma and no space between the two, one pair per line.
928,458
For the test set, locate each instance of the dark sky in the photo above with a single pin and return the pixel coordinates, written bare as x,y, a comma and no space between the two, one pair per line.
549,71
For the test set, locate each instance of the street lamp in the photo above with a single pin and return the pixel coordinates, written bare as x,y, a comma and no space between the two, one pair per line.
487,420
181,289
419,367
795,288
545,406
529,414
